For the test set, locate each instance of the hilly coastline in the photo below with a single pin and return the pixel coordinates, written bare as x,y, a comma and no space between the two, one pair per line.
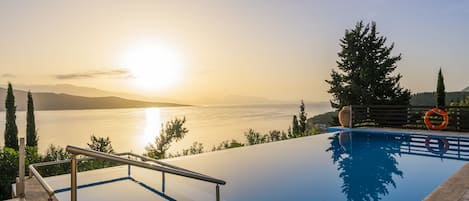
54,101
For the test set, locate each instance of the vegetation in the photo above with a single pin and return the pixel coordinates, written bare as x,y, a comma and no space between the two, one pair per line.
9,170
325,119
196,148
440,91
56,153
11,130
31,133
365,70
254,137
9,167
301,127
174,130
228,145
101,144
464,102
428,98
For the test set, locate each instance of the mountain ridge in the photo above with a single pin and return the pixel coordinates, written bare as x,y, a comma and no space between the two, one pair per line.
62,101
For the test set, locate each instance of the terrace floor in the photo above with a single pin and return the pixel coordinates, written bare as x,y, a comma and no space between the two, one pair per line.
34,191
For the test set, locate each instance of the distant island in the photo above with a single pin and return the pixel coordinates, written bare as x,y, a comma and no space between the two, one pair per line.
54,101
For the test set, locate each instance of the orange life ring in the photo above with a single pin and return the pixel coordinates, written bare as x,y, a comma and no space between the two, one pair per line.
437,111
441,151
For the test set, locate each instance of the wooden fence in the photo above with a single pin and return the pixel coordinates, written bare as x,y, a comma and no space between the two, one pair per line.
404,116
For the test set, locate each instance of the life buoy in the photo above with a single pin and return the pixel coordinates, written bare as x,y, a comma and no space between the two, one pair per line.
437,111
440,151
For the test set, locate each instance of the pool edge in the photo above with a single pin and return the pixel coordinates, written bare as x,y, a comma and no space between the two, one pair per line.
455,188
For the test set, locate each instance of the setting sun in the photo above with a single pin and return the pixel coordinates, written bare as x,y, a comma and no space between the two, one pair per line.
153,66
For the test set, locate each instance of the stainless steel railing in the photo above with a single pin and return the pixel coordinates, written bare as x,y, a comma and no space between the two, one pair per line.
33,172
144,163
160,166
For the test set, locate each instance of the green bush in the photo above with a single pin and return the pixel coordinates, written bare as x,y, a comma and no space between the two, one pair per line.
8,170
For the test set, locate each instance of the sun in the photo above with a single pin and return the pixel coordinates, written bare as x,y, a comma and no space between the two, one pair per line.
153,66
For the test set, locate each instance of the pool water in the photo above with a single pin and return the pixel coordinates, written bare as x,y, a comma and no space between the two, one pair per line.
328,167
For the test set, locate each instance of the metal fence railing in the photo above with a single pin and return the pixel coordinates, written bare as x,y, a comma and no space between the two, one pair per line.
143,162
405,116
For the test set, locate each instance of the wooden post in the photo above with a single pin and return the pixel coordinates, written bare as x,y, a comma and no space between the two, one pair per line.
20,182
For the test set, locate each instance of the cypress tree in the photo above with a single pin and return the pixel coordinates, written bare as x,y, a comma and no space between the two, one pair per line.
365,70
440,91
303,118
11,131
295,127
31,134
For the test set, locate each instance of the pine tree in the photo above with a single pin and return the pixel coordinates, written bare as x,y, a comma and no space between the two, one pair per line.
31,134
440,91
365,70
11,131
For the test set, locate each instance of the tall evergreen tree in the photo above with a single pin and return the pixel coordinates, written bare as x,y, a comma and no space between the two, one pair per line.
31,134
295,128
11,131
440,91
303,119
365,70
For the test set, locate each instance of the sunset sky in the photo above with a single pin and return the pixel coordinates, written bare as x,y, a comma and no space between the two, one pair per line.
280,50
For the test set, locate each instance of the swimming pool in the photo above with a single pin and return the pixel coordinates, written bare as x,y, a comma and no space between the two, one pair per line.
336,166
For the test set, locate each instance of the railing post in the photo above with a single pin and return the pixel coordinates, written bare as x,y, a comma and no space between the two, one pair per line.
73,185
351,118
128,168
217,188
163,181
20,182
408,115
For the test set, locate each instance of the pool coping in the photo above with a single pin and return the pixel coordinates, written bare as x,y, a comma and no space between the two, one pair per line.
455,188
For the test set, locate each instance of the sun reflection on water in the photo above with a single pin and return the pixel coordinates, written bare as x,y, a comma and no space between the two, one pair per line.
152,125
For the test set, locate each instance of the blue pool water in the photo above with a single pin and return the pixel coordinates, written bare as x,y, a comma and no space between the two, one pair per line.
328,167
335,166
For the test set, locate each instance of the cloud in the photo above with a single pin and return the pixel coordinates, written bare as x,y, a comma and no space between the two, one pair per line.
6,75
119,73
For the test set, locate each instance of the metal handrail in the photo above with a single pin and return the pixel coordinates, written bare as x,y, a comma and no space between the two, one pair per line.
145,159
159,166
32,171
162,167
115,158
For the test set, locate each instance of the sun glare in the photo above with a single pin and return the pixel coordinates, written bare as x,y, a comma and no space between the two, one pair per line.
152,125
153,66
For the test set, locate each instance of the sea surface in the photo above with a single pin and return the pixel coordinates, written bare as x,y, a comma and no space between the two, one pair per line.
133,129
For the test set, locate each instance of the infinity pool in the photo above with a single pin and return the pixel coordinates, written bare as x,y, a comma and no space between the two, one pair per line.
328,167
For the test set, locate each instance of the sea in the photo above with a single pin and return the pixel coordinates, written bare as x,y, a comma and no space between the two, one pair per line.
134,129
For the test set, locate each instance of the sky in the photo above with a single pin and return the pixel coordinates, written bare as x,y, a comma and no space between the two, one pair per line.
272,49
